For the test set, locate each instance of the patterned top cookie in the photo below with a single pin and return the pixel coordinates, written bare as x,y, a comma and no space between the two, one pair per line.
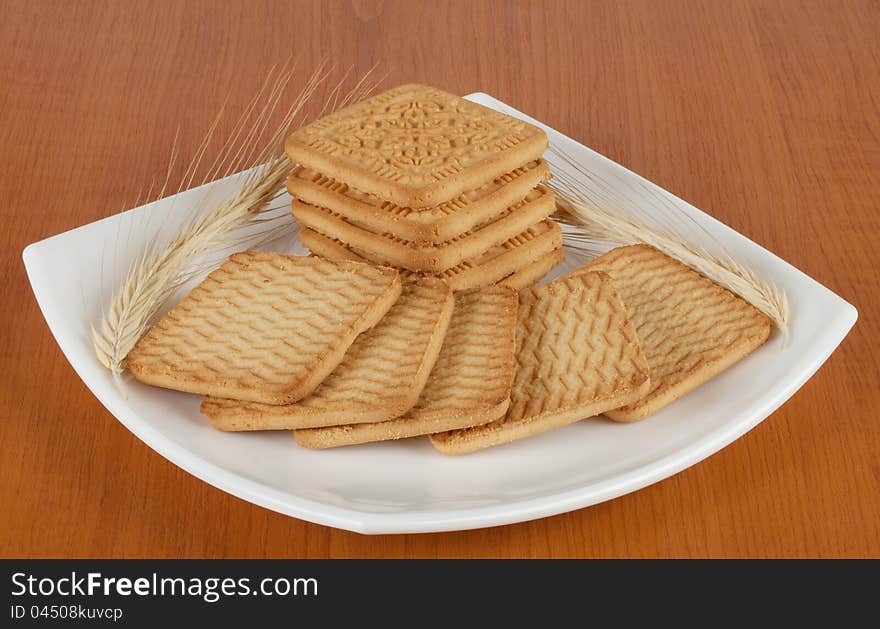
264,327
416,146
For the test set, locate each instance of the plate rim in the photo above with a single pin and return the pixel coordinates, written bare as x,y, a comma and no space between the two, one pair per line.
510,512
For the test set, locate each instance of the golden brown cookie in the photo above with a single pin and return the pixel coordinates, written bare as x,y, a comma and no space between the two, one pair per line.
690,328
494,265
264,327
416,146
380,377
470,382
387,249
531,274
432,225
577,355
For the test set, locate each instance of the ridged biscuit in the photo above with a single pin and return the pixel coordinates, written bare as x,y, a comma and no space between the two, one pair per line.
432,225
264,327
380,377
388,249
494,265
328,247
691,329
416,146
528,276
324,246
577,355
469,385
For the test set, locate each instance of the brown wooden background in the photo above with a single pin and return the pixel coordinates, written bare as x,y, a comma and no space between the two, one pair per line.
765,114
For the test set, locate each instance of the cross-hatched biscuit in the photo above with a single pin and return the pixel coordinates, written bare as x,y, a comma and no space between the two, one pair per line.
380,377
691,329
416,146
388,249
264,327
470,382
432,225
493,265
577,355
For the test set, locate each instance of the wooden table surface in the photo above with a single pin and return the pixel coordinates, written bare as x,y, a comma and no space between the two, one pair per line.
764,114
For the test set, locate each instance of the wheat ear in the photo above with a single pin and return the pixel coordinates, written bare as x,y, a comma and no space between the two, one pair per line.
245,217
602,215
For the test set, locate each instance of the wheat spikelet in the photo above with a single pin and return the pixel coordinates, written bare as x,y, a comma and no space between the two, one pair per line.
601,216
245,217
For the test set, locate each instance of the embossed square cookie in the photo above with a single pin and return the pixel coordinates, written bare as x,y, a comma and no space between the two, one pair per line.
691,329
416,146
577,355
432,225
264,327
470,382
380,377
496,264
388,249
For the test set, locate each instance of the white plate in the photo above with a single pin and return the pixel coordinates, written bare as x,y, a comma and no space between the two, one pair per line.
407,486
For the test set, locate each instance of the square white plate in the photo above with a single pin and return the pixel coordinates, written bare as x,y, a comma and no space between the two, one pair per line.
407,486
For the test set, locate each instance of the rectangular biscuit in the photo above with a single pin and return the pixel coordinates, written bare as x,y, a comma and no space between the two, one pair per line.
264,327
493,265
432,225
577,355
470,382
380,377
388,249
328,247
691,329
416,146
531,274
526,276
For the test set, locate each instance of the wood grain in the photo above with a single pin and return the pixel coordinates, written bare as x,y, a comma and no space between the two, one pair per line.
764,114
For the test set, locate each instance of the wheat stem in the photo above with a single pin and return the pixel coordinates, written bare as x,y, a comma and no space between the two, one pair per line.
245,217
604,214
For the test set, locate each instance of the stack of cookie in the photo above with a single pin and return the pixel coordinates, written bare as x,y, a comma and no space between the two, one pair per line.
429,183
350,351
